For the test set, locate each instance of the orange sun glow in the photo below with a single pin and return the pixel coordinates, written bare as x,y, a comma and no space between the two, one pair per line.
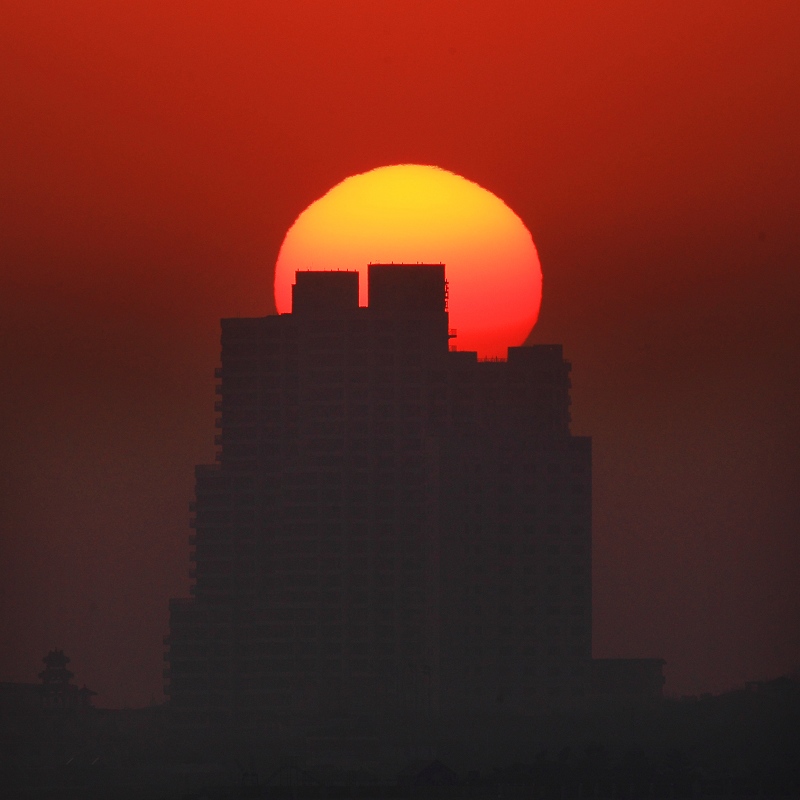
419,214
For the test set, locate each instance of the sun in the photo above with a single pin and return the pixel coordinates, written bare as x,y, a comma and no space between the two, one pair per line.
410,213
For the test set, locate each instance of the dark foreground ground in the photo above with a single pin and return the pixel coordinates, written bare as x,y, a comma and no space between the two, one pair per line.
742,744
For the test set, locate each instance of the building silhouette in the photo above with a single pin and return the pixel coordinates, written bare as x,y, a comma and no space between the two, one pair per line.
391,525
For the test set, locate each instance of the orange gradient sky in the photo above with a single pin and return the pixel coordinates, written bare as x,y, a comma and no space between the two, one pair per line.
154,155
410,213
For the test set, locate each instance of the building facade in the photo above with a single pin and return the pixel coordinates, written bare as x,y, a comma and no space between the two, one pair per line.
390,525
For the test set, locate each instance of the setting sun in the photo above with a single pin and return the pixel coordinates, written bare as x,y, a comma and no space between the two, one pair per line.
420,214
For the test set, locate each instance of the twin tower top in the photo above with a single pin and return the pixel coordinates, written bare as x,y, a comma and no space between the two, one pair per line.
408,291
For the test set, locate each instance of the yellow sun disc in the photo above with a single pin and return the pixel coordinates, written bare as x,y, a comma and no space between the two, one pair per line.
419,214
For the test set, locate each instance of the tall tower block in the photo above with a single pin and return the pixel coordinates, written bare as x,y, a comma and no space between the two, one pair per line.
390,525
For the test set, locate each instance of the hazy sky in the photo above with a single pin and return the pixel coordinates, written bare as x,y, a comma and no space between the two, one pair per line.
154,154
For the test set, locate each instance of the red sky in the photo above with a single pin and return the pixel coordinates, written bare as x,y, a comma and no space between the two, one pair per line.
154,154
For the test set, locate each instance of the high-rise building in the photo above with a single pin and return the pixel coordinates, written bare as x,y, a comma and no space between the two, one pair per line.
390,524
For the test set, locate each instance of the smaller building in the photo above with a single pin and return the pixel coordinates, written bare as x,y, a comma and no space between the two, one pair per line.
56,689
